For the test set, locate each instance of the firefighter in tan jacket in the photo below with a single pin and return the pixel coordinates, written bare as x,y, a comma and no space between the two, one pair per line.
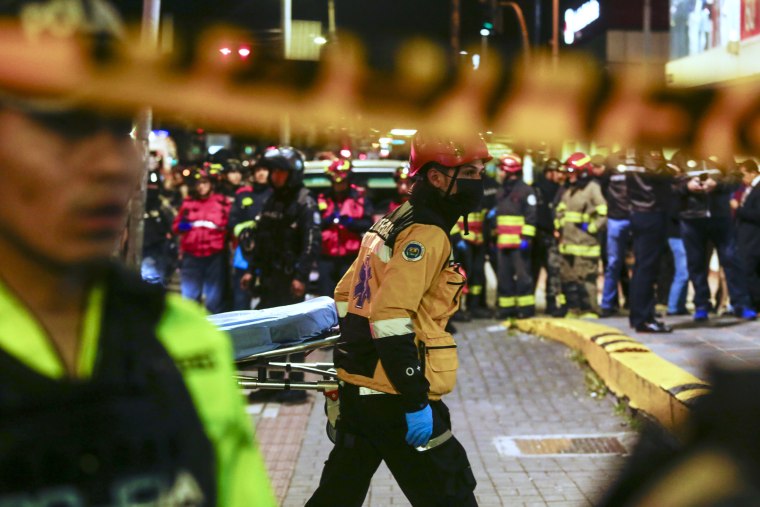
581,212
395,360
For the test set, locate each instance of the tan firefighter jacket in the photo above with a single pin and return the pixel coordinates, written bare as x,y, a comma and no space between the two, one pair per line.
580,204
394,303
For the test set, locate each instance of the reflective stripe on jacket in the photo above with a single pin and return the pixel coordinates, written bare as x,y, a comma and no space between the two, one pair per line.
581,205
394,302
515,214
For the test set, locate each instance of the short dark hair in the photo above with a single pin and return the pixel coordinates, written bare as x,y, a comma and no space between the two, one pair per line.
749,166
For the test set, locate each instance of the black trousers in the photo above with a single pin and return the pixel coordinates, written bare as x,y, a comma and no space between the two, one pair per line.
276,292
473,259
331,270
372,429
545,254
749,254
697,234
515,284
650,239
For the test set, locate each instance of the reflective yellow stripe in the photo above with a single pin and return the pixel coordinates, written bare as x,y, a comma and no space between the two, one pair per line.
526,300
561,206
602,209
528,230
574,217
472,237
322,205
592,227
561,300
476,290
557,224
505,240
243,225
510,220
580,250
506,302
455,230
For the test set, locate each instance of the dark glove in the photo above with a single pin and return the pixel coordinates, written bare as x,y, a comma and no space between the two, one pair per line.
419,426
346,220
184,226
524,244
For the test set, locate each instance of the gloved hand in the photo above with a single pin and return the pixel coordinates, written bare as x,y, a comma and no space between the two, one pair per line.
584,226
419,426
461,245
184,226
335,218
345,220
524,244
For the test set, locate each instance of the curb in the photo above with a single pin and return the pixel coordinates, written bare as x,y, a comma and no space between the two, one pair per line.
629,368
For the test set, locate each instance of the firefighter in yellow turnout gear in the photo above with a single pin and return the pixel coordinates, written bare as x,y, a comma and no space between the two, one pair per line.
394,359
581,212
515,229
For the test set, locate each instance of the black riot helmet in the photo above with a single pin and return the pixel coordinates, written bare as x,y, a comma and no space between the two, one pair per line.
284,158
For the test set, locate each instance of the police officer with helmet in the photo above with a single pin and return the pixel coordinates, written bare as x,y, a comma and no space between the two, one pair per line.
395,360
113,391
286,242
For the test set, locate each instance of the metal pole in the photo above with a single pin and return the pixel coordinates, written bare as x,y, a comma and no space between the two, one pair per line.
647,29
331,18
287,13
523,27
143,124
537,23
555,33
455,29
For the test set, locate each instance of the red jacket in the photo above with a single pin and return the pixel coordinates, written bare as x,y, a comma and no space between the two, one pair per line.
207,222
343,222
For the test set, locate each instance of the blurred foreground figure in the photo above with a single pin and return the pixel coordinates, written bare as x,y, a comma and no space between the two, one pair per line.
395,360
111,392
717,461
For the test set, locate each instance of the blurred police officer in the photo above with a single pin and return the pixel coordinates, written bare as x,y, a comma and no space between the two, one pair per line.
706,219
113,392
649,183
346,215
287,241
395,360
618,236
515,229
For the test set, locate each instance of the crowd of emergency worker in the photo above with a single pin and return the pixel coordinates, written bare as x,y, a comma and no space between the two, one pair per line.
635,224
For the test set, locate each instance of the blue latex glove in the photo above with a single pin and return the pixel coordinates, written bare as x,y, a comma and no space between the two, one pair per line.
491,213
419,426
461,245
346,220
584,226
524,244
184,226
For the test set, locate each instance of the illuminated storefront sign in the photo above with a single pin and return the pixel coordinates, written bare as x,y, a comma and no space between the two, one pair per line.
750,18
578,19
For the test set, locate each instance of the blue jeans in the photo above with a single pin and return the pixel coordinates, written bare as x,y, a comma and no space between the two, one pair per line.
154,262
677,294
204,276
618,237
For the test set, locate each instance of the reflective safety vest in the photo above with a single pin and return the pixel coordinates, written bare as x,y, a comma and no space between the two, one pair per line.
515,214
580,214
475,223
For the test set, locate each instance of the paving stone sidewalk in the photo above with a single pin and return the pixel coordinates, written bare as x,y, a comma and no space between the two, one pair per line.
693,345
534,434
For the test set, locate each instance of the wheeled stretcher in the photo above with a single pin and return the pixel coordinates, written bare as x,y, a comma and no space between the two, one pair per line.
258,336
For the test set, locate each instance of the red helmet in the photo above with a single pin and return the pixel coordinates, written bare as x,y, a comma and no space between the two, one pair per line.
446,151
339,169
510,163
578,162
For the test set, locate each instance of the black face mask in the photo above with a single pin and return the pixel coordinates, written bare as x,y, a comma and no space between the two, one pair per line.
468,196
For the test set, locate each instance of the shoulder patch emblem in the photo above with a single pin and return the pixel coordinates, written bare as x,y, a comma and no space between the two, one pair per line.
532,200
247,201
413,251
